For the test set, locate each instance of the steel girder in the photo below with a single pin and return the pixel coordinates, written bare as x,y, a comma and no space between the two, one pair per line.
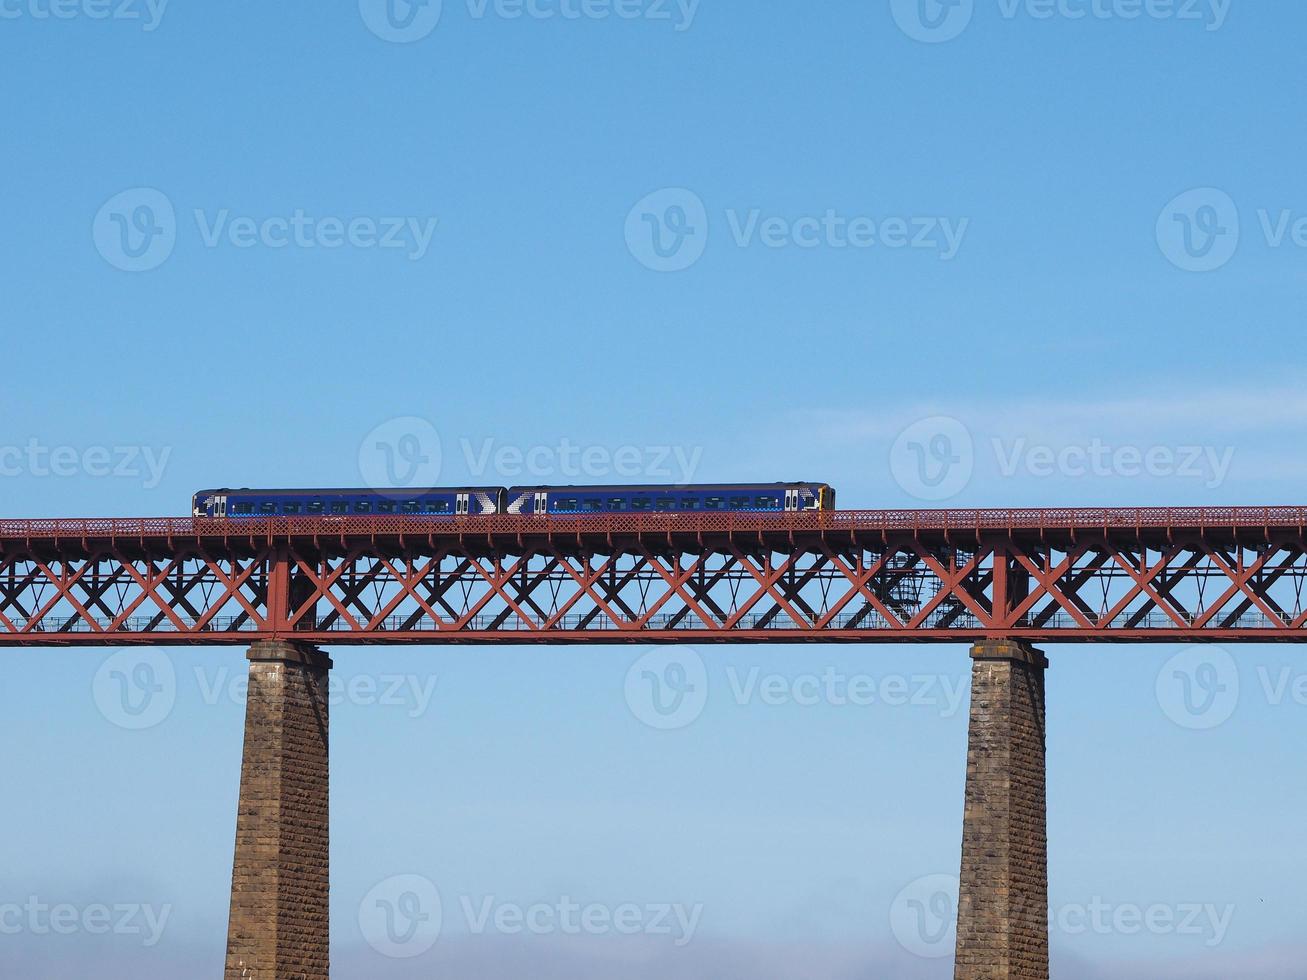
1237,574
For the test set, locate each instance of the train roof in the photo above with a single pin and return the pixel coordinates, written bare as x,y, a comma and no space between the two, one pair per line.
352,491
664,487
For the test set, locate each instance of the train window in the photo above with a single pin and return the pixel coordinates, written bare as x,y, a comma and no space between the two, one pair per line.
639,503
339,507
739,503
314,507
665,503
290,508
387,507
713,503
593,504
617,503
570,504
689,503
268,507
437,506
363,506
769,503
410,507
243,509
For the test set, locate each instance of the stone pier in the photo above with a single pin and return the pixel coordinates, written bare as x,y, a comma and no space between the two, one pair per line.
278,928
1003,903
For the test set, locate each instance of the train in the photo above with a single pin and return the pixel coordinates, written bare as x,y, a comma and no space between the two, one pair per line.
550,501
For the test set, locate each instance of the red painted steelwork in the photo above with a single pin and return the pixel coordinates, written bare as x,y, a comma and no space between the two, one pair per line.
1062,575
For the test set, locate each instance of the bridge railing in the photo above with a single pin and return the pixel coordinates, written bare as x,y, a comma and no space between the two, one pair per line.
998,519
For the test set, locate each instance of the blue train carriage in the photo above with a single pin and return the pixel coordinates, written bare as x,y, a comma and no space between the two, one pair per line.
707,498
429,502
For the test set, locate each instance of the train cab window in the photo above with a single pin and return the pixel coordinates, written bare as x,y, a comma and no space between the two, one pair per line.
363,506
617,503
410,507
739,503
314,507
665,503
387,507
714,503
243,509
593,505
268,507
339,507
290,508
639,503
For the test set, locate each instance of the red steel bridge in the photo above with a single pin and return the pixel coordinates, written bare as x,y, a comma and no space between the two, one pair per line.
1086,574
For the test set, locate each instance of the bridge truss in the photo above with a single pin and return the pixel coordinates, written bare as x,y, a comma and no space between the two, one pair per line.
1227,574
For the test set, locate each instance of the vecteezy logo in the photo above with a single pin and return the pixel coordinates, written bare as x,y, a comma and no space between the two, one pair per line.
401,454
1198,688
401,916
667,688
401,21
136,230
924,916
1199,230
933,459
135,689
933,21
667,231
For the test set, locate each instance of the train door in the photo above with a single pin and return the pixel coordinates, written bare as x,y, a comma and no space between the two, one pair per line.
542,502
461,504
791,498
219,505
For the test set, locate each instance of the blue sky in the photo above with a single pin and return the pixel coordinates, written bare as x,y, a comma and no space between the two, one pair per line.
1021,257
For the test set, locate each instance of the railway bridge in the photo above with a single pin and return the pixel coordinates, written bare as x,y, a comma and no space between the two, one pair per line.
999,580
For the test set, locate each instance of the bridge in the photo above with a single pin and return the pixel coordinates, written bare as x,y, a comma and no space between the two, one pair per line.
1001,580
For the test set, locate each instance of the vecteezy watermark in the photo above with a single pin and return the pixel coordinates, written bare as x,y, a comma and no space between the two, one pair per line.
1198,231
401,21
405,453
566,917
148,13
936,21
38,918
403,917
923,918
935,458
836,689
668,230
36,460
1199,920
1201,230
137,229
136,689
675,464
406,21
667,688
411,693
1198,688
401,453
